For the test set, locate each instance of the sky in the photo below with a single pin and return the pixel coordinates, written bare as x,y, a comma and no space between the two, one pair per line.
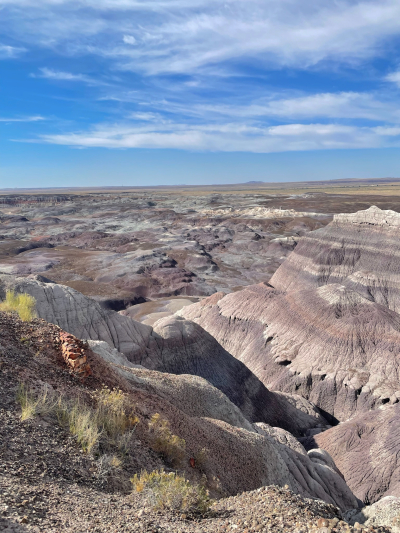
154,92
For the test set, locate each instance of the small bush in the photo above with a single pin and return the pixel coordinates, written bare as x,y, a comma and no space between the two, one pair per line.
23,304
172,491
163,441
108,464
201,459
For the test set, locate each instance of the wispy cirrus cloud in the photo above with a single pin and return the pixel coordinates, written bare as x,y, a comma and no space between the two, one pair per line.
229,137
181,64
8,52
35,118
67,76
341,105
188,36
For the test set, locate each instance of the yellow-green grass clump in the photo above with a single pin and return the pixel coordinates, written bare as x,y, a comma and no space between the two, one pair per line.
21,303
171,491
106,425
163,441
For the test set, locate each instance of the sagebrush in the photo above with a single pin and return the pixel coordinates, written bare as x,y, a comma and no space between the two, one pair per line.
22,303
163,441
171,491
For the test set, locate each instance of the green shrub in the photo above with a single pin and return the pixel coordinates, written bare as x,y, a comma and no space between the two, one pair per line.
163,441
172,491
23,304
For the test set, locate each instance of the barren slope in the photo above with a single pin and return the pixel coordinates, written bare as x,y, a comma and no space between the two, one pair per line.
336,344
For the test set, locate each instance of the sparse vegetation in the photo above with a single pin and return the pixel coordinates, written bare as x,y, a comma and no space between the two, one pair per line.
23,304
171,491
81,421
33,404
163,441
114,412
109,423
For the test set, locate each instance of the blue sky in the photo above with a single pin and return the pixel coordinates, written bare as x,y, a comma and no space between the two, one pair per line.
136,92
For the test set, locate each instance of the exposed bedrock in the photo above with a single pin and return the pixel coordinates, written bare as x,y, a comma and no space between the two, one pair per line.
328,344
205,417
183,347
175,345
366,449
359,250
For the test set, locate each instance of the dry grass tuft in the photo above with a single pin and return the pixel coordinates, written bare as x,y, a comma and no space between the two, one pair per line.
107,425
23,304
172,491
171,446
115,414
33,404
81,421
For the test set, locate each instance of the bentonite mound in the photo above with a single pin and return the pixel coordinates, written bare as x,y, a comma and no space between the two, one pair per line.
326,337
366,449
359,250
80,315
329,344
385,512
174,345
185,348
313,473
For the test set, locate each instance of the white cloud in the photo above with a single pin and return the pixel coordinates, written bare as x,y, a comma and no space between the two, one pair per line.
348,105
8,52
66,76
129,39
186,36
36,118
394,77
387,131
227,137
146,117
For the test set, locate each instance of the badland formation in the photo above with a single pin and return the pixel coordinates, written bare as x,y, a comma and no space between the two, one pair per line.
236,351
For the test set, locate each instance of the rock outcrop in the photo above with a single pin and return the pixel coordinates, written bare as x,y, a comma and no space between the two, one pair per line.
74,353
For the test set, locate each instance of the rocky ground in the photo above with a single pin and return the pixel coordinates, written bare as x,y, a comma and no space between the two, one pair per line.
70,507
